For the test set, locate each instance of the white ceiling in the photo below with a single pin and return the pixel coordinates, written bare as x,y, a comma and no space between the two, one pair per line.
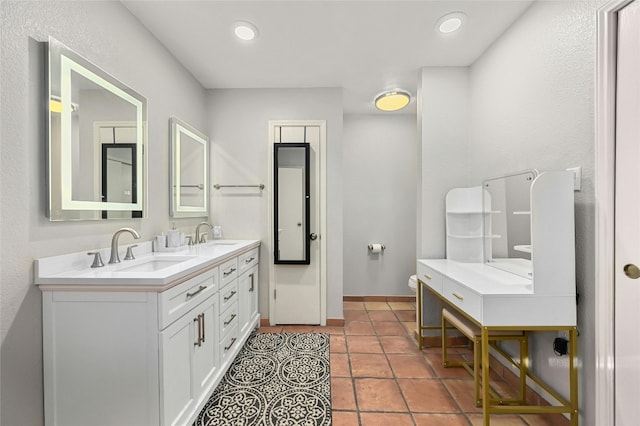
364,47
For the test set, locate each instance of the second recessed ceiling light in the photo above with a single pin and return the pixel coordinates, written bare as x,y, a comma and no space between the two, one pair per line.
245,30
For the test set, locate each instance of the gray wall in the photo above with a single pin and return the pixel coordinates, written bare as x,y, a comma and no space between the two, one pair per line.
531,105
25,233
379,203
240,147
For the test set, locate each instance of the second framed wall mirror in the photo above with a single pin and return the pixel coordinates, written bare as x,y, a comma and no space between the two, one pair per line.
189,170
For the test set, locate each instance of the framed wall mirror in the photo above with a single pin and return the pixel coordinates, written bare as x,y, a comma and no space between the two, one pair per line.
508,222
291,198
189,158
88,109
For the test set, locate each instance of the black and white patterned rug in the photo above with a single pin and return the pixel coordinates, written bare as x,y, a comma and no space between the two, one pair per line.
277,379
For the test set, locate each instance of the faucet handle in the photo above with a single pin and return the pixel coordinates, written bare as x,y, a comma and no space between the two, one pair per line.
97,259
129,255
190,240
203,239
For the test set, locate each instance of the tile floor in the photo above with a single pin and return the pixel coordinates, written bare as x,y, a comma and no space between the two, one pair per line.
380,378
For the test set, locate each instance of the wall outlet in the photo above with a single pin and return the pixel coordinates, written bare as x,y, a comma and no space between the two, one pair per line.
577,177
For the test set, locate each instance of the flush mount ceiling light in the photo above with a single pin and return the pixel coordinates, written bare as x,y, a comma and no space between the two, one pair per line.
450,22
245,31
392,100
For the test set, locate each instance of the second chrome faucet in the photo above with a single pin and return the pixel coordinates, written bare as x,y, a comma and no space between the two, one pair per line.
115,258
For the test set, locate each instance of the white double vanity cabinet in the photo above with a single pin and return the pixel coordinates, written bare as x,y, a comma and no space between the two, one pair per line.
145,341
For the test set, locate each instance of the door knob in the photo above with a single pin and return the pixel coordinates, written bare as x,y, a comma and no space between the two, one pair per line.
631,271
313,237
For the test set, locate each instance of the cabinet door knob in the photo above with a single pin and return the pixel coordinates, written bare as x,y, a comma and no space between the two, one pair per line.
631,271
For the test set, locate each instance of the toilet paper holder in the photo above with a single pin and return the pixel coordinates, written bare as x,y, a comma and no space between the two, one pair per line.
376,248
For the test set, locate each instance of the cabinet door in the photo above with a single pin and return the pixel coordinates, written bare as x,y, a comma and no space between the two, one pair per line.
248,299
176,357
205,355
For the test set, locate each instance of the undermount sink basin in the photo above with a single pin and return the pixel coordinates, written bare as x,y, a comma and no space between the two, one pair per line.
222,243
155,263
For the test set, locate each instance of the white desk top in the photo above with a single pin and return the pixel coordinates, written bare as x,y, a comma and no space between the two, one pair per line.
497,298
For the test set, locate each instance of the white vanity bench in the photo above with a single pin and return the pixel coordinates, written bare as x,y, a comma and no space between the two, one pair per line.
144,342
484,282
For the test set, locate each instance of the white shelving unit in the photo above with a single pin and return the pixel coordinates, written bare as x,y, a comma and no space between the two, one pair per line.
465,217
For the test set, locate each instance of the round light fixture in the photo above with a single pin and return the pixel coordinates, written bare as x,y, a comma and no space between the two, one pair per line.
245,31
392,100
450,22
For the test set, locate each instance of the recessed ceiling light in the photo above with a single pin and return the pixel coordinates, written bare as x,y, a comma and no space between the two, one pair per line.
392,100
450,22
245,30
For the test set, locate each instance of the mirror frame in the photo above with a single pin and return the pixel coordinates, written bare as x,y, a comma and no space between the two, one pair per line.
61,62
307,203
177,128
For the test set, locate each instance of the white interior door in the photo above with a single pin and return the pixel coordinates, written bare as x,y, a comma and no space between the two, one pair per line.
627,218
297,292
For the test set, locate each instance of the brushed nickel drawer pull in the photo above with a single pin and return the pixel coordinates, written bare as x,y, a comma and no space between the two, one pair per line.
252,283
226,348
198,319
229,272
233,293
251,259
202,327
190,295
427,276
230,320
458,296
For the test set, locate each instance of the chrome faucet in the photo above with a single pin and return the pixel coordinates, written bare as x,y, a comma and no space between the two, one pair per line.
115,258
200,239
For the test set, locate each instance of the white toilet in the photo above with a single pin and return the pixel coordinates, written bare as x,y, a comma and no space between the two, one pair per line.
413,283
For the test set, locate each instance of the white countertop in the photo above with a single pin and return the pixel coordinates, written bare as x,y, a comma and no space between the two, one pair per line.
75,269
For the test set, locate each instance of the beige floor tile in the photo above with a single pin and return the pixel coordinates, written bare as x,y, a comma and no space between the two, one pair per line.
353,306
363,344
377,306
382,316
379,395
433,419
370,365
410,366
342,396
402,306
344,418
359,328
340,365
427,396
386,419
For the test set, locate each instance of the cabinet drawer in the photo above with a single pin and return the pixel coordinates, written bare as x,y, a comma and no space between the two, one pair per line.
430,277
228,295
178,300
247,260
228,271
460,296
228,345
228,319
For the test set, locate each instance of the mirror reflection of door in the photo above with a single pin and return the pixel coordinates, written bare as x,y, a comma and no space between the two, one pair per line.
291,201
119,183
192,170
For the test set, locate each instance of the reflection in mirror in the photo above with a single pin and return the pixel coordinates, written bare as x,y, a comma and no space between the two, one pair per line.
89,109
189,157
291,203
508,222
